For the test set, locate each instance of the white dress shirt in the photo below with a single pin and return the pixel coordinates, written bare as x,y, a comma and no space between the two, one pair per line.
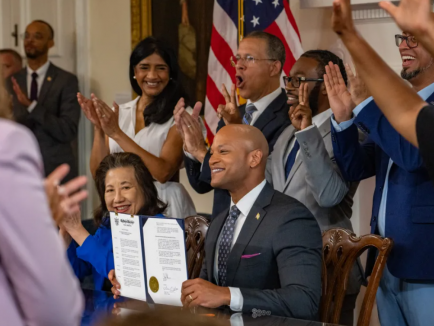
244,205
42,71
317,121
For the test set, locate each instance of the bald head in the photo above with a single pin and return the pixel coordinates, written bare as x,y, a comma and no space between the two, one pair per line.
238,157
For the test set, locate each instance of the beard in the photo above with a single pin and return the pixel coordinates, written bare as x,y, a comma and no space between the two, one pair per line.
34,54
313,99
413,74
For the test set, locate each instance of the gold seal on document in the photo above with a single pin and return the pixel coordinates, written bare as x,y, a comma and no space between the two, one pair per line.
153,284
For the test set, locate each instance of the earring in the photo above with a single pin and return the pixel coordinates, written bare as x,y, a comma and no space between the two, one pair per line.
134,77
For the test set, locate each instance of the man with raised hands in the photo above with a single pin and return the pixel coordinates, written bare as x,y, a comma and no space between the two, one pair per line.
403,206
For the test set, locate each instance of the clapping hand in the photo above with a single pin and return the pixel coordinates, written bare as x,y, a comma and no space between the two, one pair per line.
412,16
342,20
22,98
88,109
301,115
108,119
64,200
190,129
229,111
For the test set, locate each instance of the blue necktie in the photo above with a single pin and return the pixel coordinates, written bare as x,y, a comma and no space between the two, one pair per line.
226,243
248,116
291,158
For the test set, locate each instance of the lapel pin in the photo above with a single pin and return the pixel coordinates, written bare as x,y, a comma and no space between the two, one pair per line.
258,216
48,78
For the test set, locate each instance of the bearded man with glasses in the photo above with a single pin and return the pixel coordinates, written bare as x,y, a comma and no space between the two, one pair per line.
258,68
403,203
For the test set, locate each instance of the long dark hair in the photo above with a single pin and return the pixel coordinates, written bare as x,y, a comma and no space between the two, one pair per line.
153,205
161,108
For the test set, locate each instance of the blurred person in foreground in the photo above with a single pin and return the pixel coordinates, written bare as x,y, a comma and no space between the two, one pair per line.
404,196
36,283
264,250
44,100
125,186
10,61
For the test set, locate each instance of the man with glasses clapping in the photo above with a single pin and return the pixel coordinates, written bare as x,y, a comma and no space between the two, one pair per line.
258,68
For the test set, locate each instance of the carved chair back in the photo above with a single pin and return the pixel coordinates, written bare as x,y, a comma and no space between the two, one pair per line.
341,248
196,228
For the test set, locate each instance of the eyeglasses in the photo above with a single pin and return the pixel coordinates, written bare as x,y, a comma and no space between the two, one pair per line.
410,40
246,61
296,81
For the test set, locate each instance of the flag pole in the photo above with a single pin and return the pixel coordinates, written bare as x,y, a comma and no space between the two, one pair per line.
240,20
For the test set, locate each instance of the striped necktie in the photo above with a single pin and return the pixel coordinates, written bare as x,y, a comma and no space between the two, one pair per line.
248,116
225,244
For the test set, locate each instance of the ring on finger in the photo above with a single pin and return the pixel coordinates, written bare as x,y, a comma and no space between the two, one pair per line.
189,126
190,297
103,116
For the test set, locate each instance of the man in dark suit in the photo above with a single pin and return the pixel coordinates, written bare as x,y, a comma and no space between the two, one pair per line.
263,252
44,99
403,204
258,64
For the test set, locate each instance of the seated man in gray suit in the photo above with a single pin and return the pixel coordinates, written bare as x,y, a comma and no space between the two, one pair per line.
263,252
45,100
303,166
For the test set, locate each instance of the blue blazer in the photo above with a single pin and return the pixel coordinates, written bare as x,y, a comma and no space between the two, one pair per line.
272,122
410,198
95,255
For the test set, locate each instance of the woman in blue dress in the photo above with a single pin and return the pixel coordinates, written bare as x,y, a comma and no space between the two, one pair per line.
124,185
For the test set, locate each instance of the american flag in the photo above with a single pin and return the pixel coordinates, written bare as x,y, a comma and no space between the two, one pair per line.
272,16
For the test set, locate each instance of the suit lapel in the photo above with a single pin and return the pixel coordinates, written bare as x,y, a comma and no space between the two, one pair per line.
269,112
212,240
247,231
324,129
49,80
430,99
278,157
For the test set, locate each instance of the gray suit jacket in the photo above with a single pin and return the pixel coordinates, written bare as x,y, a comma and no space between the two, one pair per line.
316,181
54,120
285,279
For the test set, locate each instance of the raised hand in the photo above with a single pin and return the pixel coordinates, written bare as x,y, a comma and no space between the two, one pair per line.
342,20
22,98
88,109
179,112
339,97
301,115
359,91
229,111
108,119
412,16
192,131
64,200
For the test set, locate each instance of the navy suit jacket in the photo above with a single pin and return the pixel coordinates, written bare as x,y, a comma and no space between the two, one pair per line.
410,198
285,279
271,122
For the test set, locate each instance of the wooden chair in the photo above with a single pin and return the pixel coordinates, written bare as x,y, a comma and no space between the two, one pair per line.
341,248
196,228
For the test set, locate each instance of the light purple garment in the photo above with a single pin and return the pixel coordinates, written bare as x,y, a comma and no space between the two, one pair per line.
37,286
